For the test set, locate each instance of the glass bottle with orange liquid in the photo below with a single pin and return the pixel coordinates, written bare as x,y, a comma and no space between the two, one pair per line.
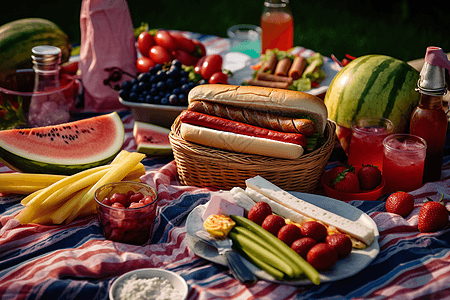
277,26
429,120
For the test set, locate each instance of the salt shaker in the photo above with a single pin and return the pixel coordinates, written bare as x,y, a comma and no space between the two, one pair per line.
48,105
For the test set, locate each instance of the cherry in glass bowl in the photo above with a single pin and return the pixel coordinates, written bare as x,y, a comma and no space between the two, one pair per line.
127,211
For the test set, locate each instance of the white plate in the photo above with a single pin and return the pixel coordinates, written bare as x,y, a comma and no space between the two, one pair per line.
243,70
176,280
344,268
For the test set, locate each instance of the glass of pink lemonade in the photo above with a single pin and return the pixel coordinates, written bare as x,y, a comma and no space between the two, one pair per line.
366,144
403,162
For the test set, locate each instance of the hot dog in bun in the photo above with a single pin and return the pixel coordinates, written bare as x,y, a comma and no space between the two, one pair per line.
254,120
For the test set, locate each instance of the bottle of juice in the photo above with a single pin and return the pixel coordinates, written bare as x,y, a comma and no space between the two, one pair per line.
429,120
277,26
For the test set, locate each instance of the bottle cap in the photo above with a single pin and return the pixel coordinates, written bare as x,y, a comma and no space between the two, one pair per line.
46,56
432,75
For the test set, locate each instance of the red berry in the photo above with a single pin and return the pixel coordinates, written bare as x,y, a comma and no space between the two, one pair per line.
369,177
259,212
433,216
400,203
289,233
273,224
303,245
347,182
136,197
341,243
314,230
322,257
334,172
119,198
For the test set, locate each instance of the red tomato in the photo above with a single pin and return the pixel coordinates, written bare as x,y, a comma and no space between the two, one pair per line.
164,39
69,68
198,65
201,48
211,65
185,58
159,54
219,77
144,64
183,42
145,41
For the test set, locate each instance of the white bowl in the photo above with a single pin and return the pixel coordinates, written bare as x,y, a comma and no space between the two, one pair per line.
157,114
176,280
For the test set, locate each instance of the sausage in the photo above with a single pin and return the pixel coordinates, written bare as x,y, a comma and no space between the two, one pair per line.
276,78
257,118
270,64
283,67
297,68
195,118
271,84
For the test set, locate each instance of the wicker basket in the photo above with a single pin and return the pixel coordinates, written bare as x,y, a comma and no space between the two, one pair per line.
203,166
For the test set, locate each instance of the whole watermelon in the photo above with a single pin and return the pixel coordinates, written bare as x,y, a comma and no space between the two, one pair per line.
373,86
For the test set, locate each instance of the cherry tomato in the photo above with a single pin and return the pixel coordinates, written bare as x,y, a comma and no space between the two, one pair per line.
144,64
183,43
185,58
200,47
164,39
219,77
160,55
145,41
211,65
198,65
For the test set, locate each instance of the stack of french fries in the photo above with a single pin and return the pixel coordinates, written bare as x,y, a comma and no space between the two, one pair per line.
57,199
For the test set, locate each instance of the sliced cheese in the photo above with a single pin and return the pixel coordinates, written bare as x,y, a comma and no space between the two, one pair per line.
270,190
242,199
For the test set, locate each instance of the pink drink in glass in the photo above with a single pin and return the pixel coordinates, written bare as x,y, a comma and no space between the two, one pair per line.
403,162
366,145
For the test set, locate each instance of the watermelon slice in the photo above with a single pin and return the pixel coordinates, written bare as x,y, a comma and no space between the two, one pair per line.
63,149
151,139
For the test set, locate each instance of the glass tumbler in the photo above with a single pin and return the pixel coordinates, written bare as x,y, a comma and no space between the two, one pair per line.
366,144
127,225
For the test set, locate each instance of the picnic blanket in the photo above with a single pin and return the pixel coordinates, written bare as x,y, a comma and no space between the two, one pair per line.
74,261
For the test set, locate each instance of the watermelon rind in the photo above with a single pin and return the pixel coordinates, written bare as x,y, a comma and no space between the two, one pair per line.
373,86
151,149
26,162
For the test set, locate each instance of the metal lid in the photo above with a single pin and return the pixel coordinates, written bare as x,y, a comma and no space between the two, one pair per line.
432,75
46,57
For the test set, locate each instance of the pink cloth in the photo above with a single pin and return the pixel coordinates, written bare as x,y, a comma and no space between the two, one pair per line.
107,40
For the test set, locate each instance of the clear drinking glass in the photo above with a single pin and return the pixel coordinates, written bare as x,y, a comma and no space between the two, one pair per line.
126,225
366,145
403,162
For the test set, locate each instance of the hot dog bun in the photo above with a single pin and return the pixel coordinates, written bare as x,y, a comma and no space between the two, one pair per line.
281,101
239,143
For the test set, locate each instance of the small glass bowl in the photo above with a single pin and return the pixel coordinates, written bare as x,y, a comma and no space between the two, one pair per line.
126,225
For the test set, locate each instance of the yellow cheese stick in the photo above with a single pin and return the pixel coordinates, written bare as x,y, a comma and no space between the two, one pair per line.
116,173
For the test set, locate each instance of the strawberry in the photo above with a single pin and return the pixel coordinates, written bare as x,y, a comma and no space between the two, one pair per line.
322,257
273,224
334,172
289,233
433,216
303,245
369,177
314,230
259,212
400,203
346,181
341,243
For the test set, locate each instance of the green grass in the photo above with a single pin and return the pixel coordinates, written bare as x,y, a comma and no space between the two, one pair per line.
402,29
